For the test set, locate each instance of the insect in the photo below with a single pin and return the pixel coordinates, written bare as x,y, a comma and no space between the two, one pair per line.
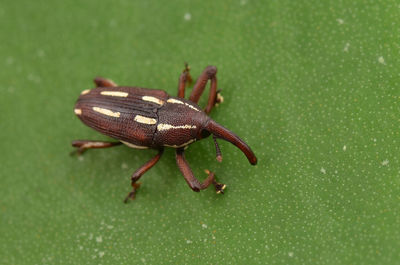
148,118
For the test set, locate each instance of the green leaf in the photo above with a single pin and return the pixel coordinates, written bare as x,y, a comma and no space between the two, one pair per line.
311,86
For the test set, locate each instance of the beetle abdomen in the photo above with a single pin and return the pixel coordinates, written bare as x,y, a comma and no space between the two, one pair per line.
128,114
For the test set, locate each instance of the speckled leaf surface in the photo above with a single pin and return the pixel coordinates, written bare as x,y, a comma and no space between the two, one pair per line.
312,86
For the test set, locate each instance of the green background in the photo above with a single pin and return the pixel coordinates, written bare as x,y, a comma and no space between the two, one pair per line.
311,86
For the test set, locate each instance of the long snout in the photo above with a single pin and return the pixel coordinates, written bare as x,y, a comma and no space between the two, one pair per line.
223,133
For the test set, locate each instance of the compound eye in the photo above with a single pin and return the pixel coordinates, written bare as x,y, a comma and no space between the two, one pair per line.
204,134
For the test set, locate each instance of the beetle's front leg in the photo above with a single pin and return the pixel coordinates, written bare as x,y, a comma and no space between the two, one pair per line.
191,180
210,73
139,172
83,145
184,79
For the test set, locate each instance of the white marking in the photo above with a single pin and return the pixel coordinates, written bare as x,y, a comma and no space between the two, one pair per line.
220,99
107,112
344,148
340,21
40,53
219,192
381,60
34,78
182,145
164,127
145,120
190,106
78,111
114,93
134,146
175,101
10,60
153,99
323,170
346,47
172,100
187,16
385,162
84,92
92,144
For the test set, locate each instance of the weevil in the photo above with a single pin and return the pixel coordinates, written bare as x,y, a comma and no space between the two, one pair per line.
147,118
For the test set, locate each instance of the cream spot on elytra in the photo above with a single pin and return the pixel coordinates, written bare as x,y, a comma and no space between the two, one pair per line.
153,99
84,92
175,101
145,120
107,112
114,94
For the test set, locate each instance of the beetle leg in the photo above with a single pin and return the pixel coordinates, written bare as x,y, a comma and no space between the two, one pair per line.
219,187
219,98
210,73
83,145
191,180
184,79
103,82
139,172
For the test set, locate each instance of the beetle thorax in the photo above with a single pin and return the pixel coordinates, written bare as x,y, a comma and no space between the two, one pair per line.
179,123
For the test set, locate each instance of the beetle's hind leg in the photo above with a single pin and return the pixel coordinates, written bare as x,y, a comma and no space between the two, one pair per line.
103,82
83,145
184,79
139,172
191,180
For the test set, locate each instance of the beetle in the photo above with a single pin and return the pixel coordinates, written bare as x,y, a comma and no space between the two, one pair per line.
148,118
